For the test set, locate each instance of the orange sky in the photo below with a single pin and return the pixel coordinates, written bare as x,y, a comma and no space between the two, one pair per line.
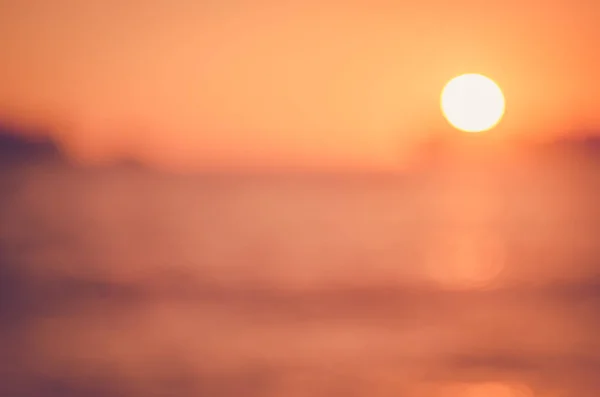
307,82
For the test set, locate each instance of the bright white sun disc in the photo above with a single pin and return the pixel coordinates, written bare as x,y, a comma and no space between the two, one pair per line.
472,103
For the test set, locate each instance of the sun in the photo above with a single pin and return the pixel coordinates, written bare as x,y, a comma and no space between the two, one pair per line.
472,103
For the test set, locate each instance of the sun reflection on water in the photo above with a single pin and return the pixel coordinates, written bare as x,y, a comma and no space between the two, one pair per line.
489,389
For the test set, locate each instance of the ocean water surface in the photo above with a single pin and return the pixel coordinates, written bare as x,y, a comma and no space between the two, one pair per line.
122,282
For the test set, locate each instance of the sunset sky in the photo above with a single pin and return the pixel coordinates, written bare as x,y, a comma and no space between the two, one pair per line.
311,82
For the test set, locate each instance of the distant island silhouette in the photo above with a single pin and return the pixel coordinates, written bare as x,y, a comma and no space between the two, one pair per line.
22,145
581,144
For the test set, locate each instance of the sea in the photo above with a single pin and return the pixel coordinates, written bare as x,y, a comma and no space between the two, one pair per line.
463,281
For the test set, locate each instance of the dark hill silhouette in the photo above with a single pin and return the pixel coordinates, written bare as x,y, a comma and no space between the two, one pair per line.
20,145
577,144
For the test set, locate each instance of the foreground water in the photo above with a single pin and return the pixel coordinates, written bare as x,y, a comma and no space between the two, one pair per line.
126,283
